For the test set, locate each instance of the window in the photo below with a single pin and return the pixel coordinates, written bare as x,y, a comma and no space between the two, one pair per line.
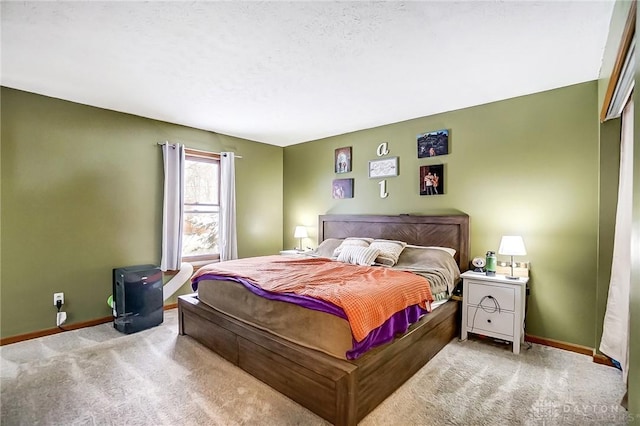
201,206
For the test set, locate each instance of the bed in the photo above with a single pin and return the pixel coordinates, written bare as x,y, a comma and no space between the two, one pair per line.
341,391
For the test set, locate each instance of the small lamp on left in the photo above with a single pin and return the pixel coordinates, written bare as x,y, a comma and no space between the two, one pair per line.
300,233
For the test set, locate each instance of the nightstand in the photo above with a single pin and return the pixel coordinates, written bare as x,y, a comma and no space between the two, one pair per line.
493,306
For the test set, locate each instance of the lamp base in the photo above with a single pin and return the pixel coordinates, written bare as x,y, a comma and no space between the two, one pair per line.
511,277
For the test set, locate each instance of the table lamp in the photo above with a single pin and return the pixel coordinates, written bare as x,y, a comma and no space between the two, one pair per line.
512,245
300,232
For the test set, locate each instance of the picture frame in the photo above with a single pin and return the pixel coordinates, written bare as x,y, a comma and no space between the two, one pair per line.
342,160
432,144
431,179
342,188
383,167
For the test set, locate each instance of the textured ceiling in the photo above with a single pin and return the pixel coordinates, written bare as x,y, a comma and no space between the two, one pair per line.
289,72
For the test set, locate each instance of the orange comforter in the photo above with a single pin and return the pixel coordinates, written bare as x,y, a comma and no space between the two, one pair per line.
367,295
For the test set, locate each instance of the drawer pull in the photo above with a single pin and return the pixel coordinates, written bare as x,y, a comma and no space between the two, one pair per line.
489,321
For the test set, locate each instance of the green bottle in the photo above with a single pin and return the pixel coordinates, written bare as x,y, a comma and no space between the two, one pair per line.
491,263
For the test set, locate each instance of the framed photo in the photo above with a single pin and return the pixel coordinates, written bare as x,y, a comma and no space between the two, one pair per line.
383,167
432,180
433,143
343,160
342,188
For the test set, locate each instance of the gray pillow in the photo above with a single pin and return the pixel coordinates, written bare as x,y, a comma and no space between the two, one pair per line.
327,247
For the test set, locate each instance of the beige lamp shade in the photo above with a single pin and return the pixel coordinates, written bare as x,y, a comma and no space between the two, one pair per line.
300,233
512,245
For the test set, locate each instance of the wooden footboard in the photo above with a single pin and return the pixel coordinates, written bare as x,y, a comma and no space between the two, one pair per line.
340,391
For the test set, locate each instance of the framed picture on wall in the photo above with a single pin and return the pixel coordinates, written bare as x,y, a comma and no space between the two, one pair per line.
432,179
384,167
342,188
343,160
432,144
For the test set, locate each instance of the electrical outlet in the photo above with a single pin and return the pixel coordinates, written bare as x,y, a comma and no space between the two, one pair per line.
58,297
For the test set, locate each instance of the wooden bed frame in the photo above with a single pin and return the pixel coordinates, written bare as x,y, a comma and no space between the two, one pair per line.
341,391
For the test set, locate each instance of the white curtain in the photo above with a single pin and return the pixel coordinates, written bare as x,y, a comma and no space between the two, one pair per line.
227,239
615,333
173,200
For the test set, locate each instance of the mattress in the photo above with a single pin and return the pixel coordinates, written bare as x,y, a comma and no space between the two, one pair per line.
315,329
310,328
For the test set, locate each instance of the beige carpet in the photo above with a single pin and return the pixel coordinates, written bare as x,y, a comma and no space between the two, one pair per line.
97,376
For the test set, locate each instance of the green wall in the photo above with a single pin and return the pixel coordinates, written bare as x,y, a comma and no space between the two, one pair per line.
82,194
527,166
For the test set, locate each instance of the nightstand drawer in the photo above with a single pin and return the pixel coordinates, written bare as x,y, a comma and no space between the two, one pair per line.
505,296
479,321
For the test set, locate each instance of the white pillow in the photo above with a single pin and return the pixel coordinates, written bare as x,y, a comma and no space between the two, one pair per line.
389,251
449,250
352,241
358,255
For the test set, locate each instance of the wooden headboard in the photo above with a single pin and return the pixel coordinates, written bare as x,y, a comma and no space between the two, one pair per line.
442,230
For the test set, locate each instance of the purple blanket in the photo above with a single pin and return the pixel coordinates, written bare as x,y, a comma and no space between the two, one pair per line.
396,324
